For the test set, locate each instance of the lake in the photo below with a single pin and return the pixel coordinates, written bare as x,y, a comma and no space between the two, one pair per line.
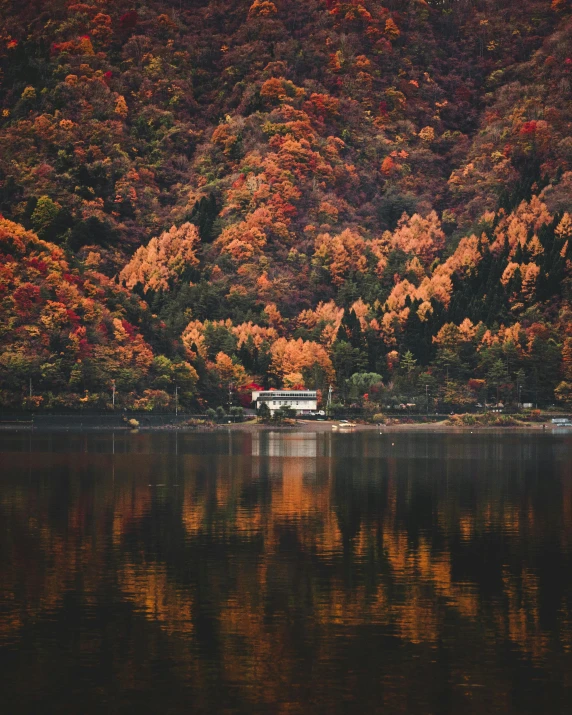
282,572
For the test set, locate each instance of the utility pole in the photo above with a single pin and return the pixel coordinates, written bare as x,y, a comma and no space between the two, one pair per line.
229,396
329,402
30,387
427,398
113,393
176,400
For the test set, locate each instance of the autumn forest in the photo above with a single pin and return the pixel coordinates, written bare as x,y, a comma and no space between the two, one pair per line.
203,193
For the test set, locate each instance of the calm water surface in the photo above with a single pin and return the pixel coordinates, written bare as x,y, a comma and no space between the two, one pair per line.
285,573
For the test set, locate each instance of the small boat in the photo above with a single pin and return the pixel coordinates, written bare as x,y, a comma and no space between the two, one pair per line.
561,422
344,425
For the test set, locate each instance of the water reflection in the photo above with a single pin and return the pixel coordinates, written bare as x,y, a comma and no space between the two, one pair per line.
273,572
284,444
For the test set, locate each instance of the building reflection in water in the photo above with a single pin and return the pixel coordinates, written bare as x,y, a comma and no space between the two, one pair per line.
275,570
285,444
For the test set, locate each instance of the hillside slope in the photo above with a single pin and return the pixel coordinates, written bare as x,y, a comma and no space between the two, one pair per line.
381,194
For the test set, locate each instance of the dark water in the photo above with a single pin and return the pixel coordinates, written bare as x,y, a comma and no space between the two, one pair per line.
286,573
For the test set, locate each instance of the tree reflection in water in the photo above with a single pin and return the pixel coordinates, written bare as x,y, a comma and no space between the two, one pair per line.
282,572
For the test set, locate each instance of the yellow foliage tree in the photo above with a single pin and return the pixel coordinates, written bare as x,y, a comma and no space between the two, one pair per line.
121,107
262,8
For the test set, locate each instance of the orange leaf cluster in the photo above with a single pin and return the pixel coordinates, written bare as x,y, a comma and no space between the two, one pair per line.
45,303
246,239
347,252
163,259
517,227
326,314
262,8
295,356
421,237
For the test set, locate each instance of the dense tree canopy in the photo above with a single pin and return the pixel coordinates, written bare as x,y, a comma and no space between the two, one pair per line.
296,193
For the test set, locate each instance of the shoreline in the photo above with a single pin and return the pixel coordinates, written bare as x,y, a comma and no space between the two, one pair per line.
415,427
297,427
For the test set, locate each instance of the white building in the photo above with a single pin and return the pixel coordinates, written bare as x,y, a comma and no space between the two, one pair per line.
303,402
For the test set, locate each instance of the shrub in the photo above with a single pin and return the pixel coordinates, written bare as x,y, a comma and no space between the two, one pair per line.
487,419
263,411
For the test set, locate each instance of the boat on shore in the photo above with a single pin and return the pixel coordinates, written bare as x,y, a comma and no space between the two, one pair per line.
561,423
343,426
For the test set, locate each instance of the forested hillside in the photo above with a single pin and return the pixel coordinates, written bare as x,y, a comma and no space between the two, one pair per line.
373,195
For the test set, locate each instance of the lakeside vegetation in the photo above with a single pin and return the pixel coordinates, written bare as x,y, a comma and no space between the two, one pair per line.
196,200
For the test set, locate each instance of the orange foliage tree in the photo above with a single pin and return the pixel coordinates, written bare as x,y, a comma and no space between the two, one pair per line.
422,237
163,260
299,356
63,328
